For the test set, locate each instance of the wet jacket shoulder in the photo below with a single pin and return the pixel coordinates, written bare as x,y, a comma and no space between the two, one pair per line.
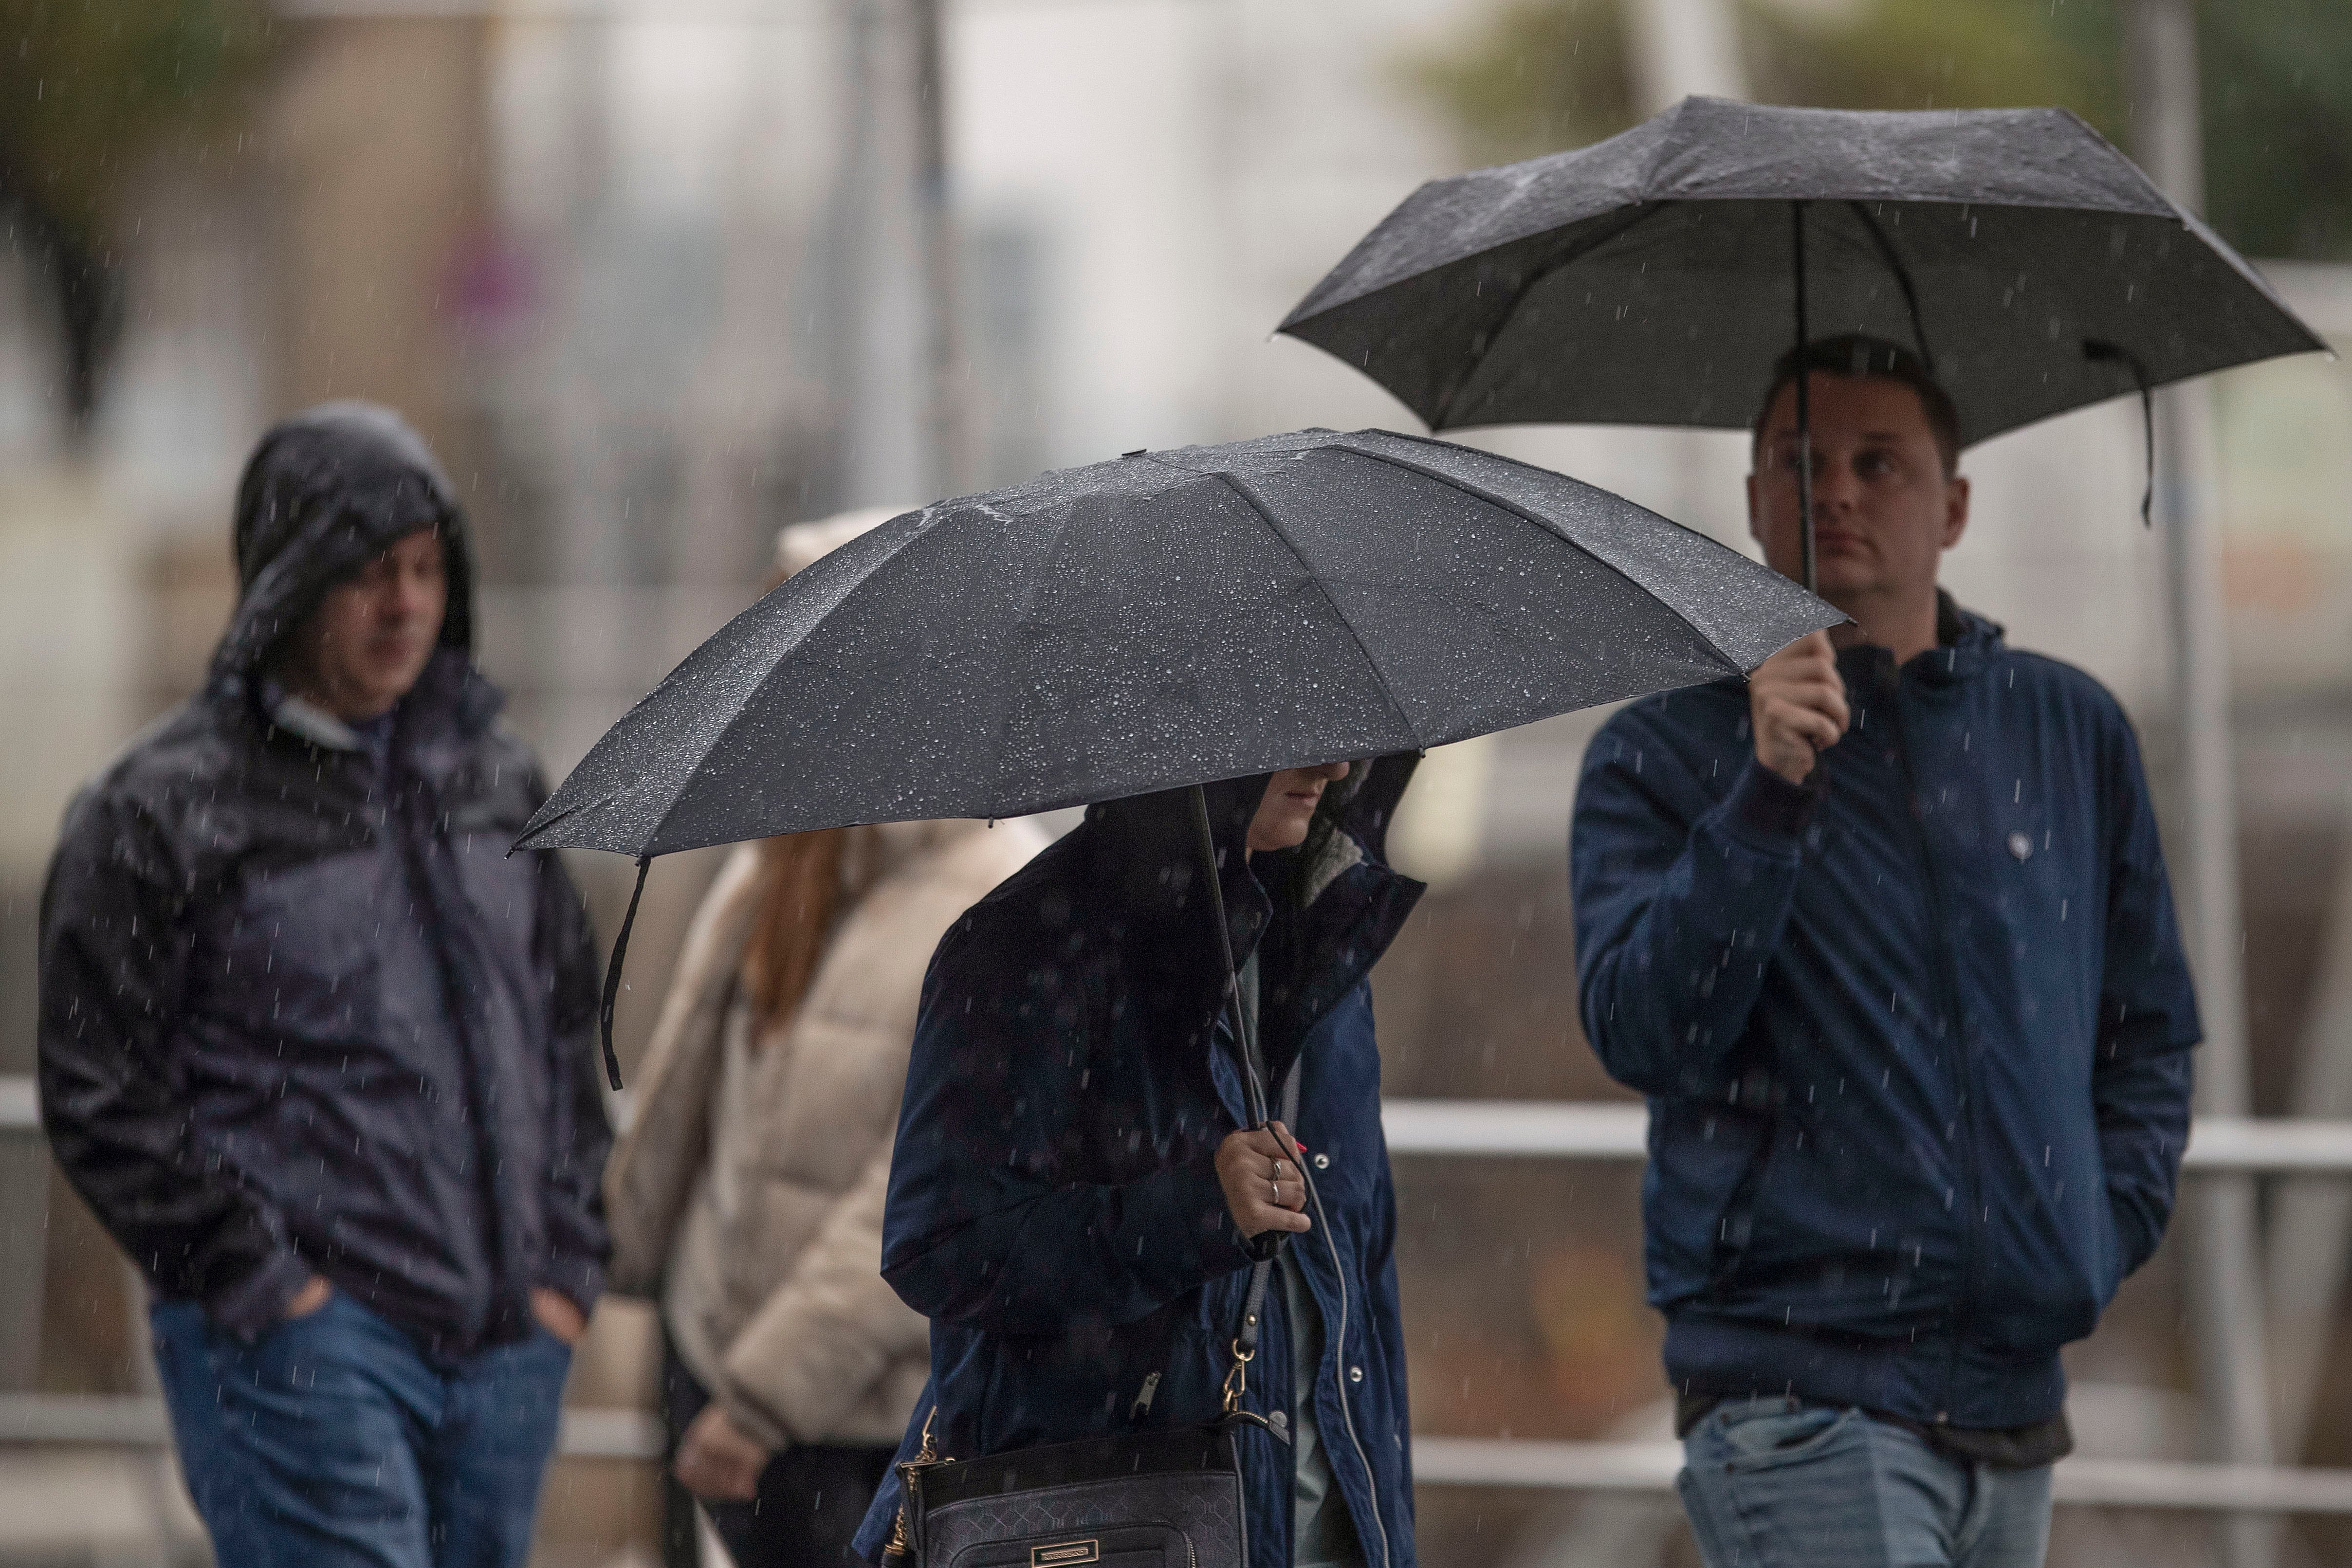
1054,1204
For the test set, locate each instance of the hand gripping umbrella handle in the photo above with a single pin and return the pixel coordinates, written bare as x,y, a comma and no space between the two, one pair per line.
1266,1244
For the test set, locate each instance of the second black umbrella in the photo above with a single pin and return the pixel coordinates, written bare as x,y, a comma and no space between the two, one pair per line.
1657,277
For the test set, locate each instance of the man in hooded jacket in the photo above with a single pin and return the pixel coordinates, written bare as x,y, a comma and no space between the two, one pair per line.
315,1050
1058,1204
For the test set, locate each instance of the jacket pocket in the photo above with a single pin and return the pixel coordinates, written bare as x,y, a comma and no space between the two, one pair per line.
1735,1223
1746,1441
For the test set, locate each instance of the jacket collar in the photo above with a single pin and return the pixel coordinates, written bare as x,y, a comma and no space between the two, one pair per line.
449,708
1966,644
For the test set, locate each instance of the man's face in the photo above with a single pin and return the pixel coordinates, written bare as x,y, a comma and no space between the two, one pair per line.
1883,509
368,641
1288,805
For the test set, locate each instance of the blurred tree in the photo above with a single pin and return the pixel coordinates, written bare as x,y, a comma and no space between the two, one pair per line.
2277,78
86,86
1541,75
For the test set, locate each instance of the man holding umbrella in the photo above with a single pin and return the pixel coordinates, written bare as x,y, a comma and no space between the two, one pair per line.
1885,934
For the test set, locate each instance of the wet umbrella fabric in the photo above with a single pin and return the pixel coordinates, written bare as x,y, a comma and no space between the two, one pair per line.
1161,621
1165,619
1654,278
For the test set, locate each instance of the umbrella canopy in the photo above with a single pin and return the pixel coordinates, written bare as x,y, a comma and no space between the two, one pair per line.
1652,279
1166,619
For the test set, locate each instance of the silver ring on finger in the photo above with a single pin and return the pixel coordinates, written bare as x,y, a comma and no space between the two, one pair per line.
1277,1192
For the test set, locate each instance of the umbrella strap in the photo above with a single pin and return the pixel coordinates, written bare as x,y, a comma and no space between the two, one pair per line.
2098,350
613,973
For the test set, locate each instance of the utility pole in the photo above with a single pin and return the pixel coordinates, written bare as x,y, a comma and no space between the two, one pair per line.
947,428
1675,49
2223,1220
1682,47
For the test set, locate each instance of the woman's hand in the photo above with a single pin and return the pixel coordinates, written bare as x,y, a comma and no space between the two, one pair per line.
557,1314
1259,1171
716,1462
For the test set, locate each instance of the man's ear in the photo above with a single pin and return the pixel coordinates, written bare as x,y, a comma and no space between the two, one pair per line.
1956,509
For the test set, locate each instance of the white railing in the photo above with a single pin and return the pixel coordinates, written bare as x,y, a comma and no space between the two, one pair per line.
1557,1129
1490,1129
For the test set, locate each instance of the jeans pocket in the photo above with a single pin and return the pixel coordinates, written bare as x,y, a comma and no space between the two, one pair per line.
1764,1440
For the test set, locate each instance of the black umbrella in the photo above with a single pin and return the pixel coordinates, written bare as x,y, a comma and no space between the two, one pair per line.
1658,277
1163,619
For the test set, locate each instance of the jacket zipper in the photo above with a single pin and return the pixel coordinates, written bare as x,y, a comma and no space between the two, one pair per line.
1963,1071
1339,1354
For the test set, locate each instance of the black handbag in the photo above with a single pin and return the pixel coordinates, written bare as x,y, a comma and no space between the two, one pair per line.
1169,1499
1166,1498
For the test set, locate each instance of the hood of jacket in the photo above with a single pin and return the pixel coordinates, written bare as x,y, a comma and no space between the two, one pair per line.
325,493
1141,855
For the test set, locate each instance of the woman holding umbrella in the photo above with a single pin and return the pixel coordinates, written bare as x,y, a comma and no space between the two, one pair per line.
1074,1203
1073,1192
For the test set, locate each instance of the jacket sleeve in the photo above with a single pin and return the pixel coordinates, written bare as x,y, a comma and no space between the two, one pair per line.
2141,1077
573,1199
114,950
1678,904
831,1331
984,1229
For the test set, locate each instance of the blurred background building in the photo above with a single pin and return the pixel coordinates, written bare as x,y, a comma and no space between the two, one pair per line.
654,276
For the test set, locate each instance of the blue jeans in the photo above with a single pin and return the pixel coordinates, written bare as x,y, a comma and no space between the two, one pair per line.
332,1442
1779,1483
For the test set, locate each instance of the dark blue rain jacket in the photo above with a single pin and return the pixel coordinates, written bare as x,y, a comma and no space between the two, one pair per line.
1916,1036
300,1012
1055,1209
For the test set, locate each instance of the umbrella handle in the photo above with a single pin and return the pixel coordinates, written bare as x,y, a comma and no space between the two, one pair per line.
1244,1032
1266,1244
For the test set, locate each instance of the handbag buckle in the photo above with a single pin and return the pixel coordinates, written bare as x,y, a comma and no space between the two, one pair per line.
1237,1378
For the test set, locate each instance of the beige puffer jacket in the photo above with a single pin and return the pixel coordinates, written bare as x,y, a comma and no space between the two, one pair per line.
748,1192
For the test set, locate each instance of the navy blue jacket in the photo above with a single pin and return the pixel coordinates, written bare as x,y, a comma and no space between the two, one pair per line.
1916,1036
299,1011
1055,1209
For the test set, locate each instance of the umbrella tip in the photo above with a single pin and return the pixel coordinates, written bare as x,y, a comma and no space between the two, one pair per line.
1137,453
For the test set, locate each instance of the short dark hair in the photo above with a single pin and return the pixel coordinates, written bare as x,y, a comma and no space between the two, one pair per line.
1862,357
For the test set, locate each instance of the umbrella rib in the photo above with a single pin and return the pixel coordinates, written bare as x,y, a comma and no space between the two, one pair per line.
726,729
1565,258
1387,691
1902,276
1479,493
